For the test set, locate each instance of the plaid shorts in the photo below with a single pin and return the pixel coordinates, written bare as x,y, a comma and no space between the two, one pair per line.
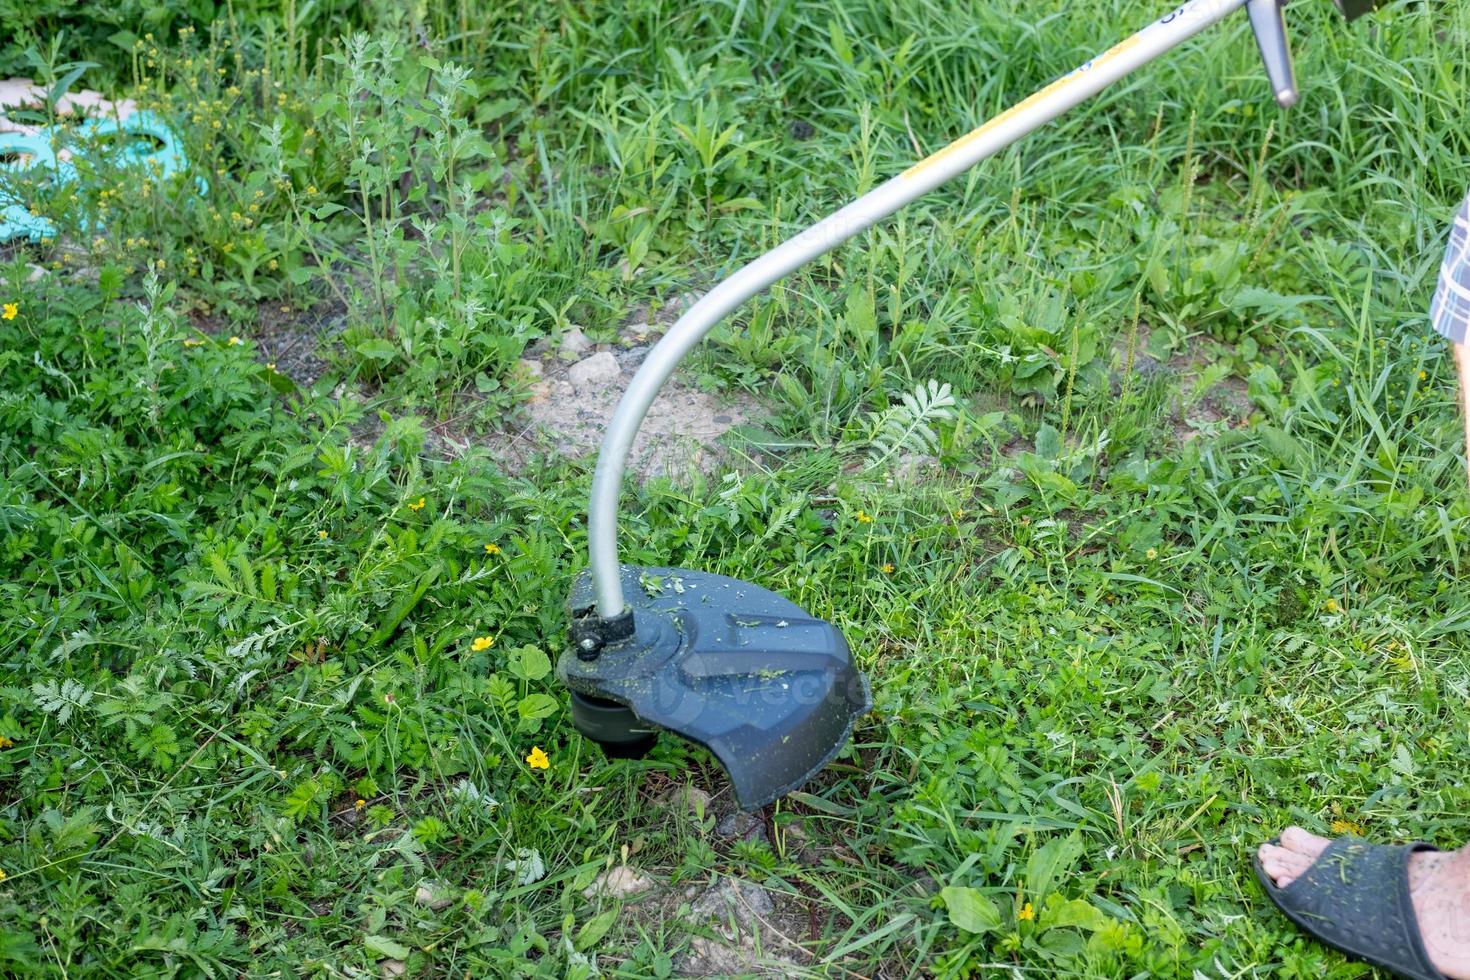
1450,311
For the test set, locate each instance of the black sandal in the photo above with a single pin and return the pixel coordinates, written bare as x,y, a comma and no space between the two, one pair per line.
1355,898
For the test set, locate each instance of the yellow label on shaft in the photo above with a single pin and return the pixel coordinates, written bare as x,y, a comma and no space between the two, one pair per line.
1056,86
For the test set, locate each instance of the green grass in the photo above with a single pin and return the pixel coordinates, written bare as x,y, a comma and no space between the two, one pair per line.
1190,566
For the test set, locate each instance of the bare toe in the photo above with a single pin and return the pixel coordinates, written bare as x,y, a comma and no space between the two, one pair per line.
1298,840
1282,865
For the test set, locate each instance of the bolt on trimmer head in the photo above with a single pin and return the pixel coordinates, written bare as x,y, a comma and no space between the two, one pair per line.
771,690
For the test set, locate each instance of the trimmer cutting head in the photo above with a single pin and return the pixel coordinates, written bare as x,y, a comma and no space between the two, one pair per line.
769,689
1353,9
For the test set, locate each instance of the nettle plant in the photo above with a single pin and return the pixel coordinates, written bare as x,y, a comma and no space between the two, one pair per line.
437,287
263,552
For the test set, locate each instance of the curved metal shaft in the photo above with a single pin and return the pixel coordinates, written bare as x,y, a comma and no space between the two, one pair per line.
1022,119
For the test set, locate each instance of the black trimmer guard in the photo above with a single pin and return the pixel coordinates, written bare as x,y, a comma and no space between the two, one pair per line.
767,688
1353,9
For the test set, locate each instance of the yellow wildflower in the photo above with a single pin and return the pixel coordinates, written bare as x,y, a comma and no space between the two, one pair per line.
359,804
1347,827
888,569
5,743
863,518
537,759
321,534
271,366
12,310
492,549
1151,554
417,504
1332,606
3,875
235,341
1026,914
482,643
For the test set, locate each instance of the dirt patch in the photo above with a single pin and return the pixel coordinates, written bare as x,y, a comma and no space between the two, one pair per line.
739,932
1191,412
1220,406
295,340
572,403
1225,405
574,385
726,925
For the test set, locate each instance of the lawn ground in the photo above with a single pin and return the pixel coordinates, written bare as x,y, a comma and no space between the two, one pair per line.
1168,551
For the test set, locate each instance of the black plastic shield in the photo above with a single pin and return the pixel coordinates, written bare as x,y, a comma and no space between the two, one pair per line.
769,689
1353,9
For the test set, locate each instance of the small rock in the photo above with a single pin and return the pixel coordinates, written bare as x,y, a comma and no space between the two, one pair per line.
434,894
392,968
1147,367
742,825
619,882
737,912
695,800
574,341
35,272
595,371
732,899
637,332
912,465
796,839
530,368
633,356
708,958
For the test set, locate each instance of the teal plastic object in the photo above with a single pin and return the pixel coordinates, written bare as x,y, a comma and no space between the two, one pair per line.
142,140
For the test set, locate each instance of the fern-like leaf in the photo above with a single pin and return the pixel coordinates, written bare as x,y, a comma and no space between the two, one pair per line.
909,425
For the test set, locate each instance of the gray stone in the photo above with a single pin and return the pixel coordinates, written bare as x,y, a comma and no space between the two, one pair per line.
434,894
745,941
709,958
743,826
732,900
691,798
574,342
595,372
911,466
620,882
632,357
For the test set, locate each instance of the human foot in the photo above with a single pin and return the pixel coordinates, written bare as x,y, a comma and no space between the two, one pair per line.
1439,887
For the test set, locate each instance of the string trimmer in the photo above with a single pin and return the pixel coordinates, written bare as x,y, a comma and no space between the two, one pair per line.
769,689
